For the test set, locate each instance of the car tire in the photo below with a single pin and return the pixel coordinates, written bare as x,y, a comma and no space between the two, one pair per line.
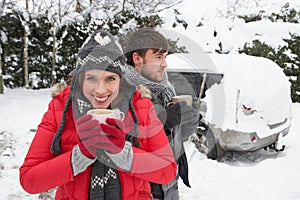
215,151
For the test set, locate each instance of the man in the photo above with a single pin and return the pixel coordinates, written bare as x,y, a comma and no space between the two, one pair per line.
146,51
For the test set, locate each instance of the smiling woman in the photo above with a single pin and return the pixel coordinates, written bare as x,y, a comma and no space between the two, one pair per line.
87,159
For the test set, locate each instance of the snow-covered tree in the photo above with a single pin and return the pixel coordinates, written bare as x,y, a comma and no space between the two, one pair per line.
12,48
43,37
1,79
25,21
292,66
233,8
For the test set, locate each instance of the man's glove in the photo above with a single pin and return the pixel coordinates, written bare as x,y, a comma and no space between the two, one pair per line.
187,129
178,113
93,136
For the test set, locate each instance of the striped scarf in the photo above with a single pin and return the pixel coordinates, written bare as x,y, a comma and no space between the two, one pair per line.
164,90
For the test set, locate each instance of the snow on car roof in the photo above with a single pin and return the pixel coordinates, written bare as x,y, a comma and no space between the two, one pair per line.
186,62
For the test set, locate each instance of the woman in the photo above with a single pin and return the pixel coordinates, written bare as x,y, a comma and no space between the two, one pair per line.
88,160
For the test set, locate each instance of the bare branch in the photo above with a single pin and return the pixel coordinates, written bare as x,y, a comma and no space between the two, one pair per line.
153,6
2,6
122,10
170,6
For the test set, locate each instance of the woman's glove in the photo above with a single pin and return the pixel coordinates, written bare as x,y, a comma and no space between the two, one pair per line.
82,155
112,138
93,136
87,129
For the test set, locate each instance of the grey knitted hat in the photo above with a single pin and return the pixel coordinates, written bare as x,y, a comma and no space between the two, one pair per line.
101,51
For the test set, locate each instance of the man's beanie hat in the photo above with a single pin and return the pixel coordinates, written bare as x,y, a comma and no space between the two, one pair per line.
100,51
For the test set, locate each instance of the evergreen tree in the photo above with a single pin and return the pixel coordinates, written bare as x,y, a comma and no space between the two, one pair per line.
292,65
286,14
257,48
39,53
71,38
12,60
174,48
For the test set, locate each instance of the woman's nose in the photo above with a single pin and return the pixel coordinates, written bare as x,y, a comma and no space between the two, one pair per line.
100,88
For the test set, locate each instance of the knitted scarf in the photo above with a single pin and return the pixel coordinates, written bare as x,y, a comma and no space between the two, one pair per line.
163,91
105,183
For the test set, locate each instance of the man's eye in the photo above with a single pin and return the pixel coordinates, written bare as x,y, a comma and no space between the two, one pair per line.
111,78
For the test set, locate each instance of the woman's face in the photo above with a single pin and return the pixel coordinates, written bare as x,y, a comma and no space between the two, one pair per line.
100,87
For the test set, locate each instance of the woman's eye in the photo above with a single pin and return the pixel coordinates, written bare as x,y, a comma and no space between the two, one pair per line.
90,78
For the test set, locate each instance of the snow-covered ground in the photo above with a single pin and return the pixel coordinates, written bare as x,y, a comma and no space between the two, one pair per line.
258,175
21,111
252,176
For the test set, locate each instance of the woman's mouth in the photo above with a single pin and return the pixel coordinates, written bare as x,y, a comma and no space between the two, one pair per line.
101,99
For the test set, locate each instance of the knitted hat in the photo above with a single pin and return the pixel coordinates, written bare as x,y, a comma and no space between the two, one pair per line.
99,51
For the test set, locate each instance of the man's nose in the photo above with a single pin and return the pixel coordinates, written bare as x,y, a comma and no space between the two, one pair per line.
164,63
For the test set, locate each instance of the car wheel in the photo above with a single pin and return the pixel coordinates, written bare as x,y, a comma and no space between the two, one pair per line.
215,151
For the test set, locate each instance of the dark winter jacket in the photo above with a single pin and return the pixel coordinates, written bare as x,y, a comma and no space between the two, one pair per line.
175,139
42,170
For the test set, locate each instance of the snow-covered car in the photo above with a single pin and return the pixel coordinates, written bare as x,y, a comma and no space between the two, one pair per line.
246,104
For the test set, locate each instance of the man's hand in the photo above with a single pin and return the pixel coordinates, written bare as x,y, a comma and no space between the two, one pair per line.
178,114
190,127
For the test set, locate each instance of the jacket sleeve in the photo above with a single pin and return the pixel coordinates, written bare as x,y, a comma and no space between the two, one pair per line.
43,170
155,161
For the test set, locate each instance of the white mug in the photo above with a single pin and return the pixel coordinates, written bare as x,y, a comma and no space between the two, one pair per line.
187,98
102,114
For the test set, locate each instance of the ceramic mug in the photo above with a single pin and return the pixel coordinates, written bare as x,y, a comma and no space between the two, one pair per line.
187,98
102,114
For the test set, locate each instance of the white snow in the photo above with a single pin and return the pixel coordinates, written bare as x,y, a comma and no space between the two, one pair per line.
232,33
261,176
21,110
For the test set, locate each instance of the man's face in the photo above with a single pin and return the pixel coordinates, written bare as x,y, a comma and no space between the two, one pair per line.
152,65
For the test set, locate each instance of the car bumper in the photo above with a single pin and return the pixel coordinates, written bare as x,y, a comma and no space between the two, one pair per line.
241,141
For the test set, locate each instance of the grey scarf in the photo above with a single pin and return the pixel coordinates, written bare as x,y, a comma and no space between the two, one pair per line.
164,90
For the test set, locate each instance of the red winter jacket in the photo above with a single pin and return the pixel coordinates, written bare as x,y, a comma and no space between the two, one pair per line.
42,170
